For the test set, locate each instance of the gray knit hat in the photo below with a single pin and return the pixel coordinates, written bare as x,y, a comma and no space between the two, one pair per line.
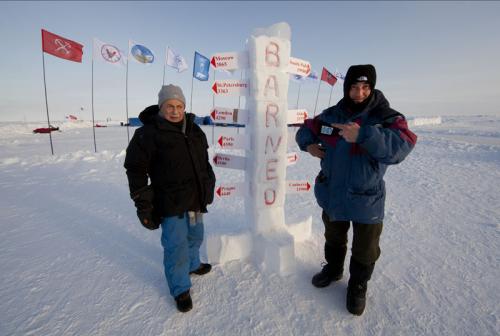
170,92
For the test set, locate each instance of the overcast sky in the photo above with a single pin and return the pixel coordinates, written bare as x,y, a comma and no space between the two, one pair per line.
432,58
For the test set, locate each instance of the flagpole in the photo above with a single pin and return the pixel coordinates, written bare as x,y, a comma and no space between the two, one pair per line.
126,92
239,101
317,96
213,107
46,102
165,65
330,99
93,121
191,103
298,95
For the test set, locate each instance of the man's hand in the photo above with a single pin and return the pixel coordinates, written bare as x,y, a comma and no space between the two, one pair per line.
316,150
147,219
348,131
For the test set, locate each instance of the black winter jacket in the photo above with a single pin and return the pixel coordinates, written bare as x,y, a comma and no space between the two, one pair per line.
177,163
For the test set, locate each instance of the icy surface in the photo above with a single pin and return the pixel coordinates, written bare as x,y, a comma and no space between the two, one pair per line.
74,259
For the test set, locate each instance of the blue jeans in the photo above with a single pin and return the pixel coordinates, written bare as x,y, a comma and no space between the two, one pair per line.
181,251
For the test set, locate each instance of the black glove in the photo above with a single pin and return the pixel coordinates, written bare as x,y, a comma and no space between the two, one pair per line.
148,220
143,199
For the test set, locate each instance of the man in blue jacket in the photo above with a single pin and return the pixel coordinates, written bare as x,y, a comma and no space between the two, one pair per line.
356,140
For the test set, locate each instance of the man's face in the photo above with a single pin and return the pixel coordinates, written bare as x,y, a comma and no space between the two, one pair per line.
359,92
173,110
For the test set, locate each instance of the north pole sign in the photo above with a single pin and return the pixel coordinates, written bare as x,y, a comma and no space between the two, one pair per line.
295,187
229,115
229,61
299,67
297,116
230,190
231,87
229,161
291,158
234,141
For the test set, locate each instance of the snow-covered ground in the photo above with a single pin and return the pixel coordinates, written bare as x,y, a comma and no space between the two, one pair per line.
74,259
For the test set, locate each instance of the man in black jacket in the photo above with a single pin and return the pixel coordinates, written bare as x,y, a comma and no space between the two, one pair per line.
171,150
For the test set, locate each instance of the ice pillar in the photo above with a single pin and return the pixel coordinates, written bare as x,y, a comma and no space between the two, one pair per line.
269,53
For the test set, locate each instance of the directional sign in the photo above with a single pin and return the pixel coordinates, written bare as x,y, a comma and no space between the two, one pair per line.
230,61
231,87
298,66
296,116
235,141
291,158
229,115
295,187
230,190
229,161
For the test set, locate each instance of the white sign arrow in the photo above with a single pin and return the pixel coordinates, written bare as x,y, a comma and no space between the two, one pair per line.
234,141
230,60
291,158
298,66
231,87
229,115
229,161
295,187
230,190
296,116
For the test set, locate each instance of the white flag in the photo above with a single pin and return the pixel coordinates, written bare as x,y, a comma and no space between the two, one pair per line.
108,53
176,61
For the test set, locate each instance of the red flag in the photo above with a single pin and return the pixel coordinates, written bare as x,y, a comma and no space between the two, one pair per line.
326,76
61,47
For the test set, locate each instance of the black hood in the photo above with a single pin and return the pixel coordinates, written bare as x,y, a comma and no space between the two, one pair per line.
360,73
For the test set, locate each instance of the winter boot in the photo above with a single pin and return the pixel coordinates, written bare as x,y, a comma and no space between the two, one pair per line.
184,302
203,269
357,287
333,270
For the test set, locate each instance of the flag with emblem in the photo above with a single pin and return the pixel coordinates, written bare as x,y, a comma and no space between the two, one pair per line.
326,76
61,47
109,53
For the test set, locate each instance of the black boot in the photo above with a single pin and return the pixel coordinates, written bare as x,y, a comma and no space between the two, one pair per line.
334,268
184,302
203,269
358,285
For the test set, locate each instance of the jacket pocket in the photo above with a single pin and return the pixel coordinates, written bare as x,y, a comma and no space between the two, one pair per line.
366,205
321,190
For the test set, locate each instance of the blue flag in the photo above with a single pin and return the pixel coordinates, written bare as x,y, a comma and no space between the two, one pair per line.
201,67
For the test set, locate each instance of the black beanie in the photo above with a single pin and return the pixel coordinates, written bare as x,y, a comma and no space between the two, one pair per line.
359,73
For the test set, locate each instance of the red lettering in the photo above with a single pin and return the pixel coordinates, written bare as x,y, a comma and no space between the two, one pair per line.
274,87
271,170
270,141
269,196
272,110
272,56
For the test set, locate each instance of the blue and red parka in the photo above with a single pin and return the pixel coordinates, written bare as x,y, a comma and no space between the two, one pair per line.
350,185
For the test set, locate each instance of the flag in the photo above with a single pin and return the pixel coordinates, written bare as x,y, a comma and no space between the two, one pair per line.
108,53
326,76
140,53
313,76
176,61
200,67
61,47
297,78
339,75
